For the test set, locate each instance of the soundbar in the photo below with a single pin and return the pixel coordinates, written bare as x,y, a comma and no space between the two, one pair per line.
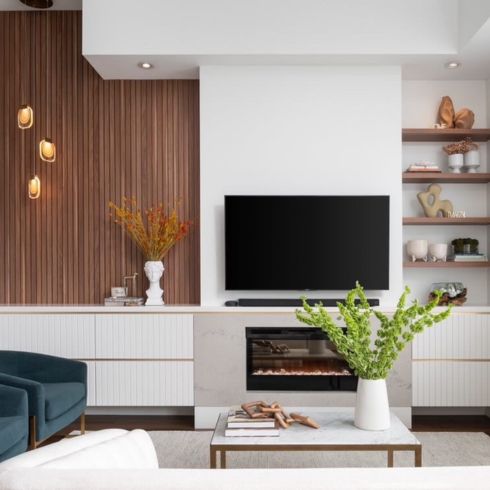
285,302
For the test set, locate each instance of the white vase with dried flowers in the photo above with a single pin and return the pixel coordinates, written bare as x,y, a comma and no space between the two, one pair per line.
456,154
162,231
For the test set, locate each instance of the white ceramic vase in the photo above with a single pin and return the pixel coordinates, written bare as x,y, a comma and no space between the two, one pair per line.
472,161
372,407
455,163
154,272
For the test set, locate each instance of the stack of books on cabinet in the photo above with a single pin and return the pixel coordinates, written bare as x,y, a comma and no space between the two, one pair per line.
240,424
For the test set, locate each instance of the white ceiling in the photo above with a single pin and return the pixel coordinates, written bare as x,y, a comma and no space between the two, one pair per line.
178,36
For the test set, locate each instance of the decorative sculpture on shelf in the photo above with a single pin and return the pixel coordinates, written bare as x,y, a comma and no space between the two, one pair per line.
447,118
464,119
432,204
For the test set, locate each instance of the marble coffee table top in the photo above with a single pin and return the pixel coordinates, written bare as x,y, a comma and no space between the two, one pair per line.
336,428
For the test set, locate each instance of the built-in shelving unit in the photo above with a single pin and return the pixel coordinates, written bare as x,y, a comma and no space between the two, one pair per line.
422,220
434,135
445,178
473,199
446,265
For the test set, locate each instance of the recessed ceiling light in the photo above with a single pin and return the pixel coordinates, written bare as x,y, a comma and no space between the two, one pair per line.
145,65
452,64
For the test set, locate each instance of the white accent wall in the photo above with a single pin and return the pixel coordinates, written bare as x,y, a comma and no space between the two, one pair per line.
297,130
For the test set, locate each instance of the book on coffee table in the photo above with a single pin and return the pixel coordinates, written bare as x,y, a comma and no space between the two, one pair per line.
239,419
251,432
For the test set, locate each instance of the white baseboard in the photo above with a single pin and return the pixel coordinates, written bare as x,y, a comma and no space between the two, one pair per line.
140,411
451,411
206,417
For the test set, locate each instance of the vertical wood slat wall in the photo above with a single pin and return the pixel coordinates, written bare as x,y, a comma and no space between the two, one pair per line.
113,138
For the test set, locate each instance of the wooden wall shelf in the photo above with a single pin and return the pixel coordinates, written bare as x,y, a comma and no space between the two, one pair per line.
445,221
424,134
444,265
445,178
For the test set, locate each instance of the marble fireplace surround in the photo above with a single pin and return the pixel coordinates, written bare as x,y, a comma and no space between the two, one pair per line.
220,371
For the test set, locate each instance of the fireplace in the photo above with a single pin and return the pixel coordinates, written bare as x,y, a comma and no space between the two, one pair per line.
295,359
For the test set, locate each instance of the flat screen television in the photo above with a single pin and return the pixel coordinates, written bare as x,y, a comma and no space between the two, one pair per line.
306,242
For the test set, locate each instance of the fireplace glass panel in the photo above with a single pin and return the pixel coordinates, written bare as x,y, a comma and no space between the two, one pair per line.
296,359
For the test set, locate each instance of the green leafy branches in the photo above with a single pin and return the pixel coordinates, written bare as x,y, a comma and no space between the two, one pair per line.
354,341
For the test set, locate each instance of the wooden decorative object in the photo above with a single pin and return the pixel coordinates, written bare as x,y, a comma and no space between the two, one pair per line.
261,410
445,300
445,116
432,204
464,119
305,420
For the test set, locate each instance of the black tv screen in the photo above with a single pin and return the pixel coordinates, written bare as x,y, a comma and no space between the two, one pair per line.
306,242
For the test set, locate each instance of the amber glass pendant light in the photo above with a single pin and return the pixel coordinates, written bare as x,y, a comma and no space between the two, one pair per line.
25,114
34,187
25,117
47,149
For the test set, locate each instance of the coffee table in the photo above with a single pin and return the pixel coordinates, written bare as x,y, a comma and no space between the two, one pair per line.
336,433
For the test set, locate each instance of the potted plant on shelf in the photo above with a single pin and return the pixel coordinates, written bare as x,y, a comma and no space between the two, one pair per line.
161,232
372,363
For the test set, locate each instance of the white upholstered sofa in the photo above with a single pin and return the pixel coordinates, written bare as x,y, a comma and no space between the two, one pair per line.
115,459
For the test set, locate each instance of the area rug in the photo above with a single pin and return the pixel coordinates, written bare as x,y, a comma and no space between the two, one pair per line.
187,449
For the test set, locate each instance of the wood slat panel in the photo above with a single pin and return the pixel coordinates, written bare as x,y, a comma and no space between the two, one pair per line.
114,139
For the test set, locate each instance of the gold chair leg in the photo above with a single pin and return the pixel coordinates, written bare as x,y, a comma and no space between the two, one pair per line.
82,423
32,432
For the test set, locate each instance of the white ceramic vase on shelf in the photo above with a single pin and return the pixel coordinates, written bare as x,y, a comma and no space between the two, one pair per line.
372,407
154,272
472,161
455,163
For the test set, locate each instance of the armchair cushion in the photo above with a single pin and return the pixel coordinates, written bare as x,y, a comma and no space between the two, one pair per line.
12,430
13,421
60,397
35,392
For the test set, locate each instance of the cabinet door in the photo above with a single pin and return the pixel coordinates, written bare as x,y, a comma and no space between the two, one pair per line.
64,335
451,363
451,384
91,390
144,336
145,383
461,336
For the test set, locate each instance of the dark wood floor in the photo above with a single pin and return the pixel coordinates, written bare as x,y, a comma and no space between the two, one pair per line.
451,423
420,423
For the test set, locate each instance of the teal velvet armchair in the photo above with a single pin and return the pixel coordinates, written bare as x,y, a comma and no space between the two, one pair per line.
14,422
56,390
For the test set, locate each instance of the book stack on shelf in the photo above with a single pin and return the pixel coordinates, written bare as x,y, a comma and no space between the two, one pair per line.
423,167
474,257
240,424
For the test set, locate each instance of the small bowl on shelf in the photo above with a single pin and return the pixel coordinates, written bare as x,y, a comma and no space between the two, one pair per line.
417,250
438,252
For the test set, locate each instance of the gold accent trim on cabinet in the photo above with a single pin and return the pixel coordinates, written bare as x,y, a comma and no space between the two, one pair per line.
448,359
139,359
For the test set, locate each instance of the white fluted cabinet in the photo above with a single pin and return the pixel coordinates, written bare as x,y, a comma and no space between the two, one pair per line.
451,363
133,359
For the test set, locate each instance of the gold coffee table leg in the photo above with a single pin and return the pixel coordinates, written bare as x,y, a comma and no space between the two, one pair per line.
390,458
418,456
223,460
212,458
